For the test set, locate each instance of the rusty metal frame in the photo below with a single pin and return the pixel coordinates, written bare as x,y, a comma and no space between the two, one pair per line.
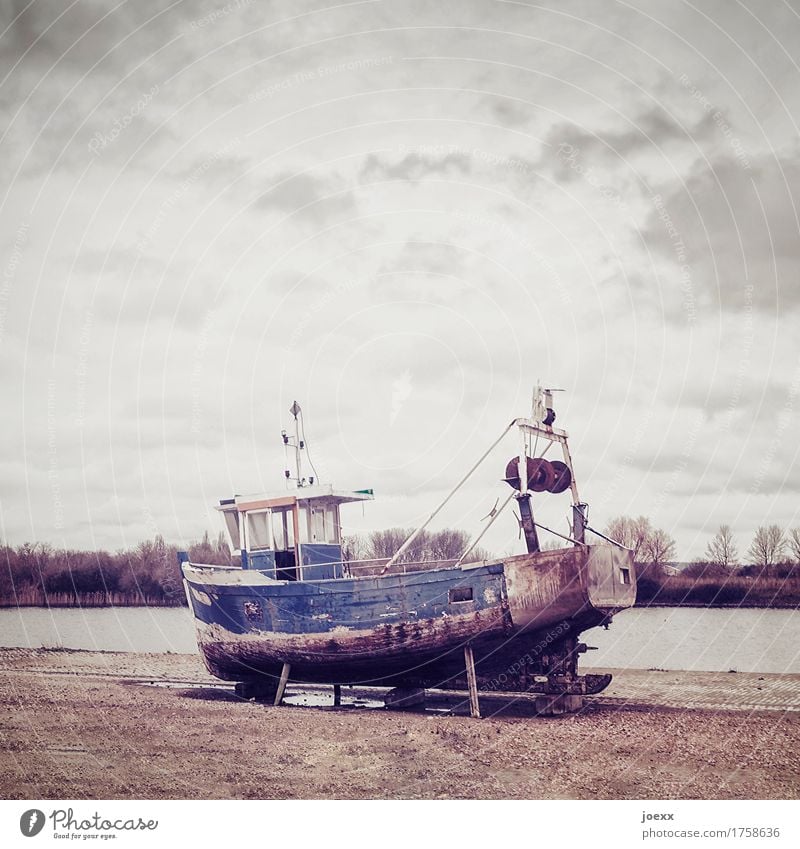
528,428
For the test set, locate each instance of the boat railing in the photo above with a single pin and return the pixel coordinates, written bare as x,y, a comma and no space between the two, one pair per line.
377,566
219,566
362,568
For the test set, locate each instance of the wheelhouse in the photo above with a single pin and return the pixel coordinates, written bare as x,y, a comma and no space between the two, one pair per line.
290,537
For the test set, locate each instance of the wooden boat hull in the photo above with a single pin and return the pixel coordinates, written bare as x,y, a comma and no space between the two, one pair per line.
409,629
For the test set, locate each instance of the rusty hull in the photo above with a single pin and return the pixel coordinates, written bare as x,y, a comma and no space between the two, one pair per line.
538,601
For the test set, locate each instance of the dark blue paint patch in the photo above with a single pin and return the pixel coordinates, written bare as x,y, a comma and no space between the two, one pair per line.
321,562
306,607
263,561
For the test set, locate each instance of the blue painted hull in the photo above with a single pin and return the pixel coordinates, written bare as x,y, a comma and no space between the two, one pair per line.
404,628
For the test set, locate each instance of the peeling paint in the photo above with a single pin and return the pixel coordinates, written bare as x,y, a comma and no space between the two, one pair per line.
202,597
343,631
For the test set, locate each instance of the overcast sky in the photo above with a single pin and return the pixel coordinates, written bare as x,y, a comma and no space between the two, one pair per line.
403,215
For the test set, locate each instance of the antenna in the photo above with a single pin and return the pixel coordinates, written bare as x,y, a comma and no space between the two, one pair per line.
296,443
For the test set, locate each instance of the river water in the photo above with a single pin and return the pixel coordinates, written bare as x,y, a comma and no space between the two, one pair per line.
717,640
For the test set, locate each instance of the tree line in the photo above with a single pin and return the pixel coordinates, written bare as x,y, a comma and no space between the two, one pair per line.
768,576
146,574
36,574
371,551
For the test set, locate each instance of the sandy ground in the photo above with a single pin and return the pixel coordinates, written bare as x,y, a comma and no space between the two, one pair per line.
83,725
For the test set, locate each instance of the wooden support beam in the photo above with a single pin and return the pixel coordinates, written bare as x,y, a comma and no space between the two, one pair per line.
282,683
472,683
337,695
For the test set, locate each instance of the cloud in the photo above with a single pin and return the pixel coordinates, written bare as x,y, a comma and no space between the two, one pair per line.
735,232
415,167
307,197
510,113
569,150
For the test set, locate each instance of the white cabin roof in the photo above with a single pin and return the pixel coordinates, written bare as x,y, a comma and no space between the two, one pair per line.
288,497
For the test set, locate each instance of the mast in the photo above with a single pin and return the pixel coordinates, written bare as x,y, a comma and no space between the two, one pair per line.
297,444
527,474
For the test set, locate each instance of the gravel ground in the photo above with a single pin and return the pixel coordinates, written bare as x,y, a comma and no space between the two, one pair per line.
72,726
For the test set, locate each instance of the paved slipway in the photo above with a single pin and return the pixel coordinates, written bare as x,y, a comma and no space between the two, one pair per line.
88,725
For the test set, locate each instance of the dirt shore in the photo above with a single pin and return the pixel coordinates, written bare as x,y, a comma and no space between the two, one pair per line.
85,725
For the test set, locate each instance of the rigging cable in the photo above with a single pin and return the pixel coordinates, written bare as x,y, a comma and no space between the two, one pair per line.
305,444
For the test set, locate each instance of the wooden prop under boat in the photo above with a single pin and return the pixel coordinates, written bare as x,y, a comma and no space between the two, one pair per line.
295,609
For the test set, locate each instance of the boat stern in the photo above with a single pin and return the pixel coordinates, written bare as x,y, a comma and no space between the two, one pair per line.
583,584
610,578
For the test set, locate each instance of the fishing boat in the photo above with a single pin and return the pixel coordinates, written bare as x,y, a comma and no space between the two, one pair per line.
297,610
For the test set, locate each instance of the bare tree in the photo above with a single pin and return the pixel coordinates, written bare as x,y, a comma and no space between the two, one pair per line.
632,533
448,544
383,544
768,546
434,546
794,544
657,549
205,551
721,551
354,548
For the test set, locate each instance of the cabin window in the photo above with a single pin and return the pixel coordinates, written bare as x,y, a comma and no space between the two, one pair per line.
625,575
318,524
283,529
257,530
302,524
460,594
332,524
324,525
279,530
232,524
